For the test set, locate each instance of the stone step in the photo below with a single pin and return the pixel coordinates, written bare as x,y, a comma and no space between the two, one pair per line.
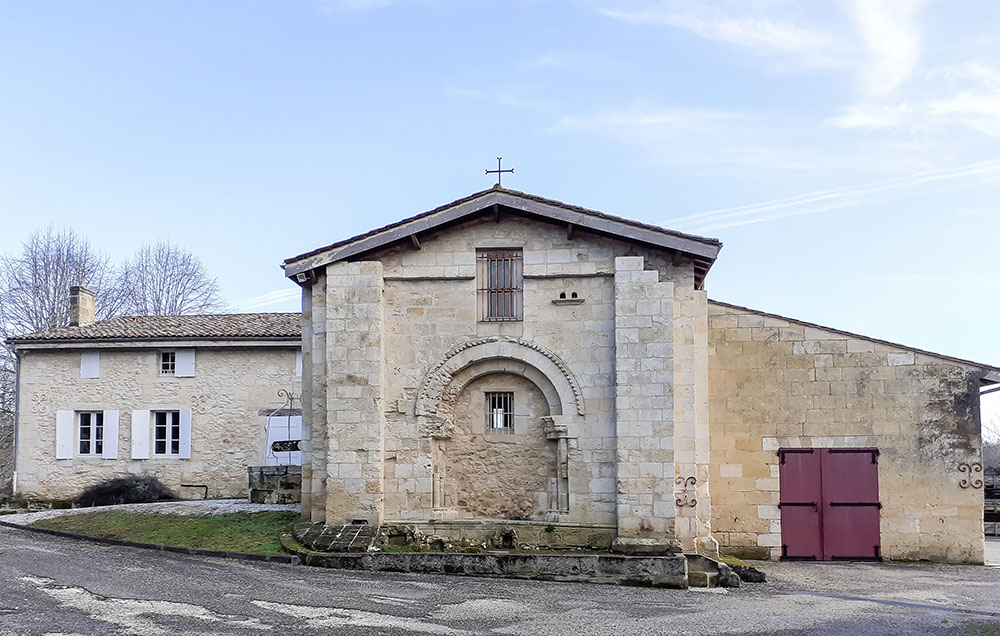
706,572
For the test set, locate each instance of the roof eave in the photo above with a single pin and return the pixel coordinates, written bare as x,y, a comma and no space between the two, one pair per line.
83,343
705,250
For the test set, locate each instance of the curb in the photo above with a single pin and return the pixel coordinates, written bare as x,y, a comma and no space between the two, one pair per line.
222,554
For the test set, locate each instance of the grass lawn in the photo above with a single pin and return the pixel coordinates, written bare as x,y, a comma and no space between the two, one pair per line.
238,532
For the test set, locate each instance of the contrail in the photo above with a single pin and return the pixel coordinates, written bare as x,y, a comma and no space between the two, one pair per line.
268,299
824,200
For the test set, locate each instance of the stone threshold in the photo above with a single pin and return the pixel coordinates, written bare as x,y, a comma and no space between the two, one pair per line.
670,571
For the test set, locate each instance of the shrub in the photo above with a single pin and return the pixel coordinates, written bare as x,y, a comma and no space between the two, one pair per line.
123,490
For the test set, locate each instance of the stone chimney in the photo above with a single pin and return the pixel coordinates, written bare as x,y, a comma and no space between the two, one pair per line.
81,306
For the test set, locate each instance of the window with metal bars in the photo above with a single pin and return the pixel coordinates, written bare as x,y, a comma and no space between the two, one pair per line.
166,432
500,412
91,437
500,286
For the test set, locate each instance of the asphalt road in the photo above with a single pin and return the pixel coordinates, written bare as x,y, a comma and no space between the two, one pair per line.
60,587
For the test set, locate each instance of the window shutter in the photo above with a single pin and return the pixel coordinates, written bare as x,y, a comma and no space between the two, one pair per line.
185,450
64,434
184,363
110,435
298,364
140,434
90,364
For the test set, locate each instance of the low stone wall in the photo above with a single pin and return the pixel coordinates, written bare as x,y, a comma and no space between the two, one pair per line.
658,571
501,534
275,484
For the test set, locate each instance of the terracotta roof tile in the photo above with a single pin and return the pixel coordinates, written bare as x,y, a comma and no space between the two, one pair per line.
256,326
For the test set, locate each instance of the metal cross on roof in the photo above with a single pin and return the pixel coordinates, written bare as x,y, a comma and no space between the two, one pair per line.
498,172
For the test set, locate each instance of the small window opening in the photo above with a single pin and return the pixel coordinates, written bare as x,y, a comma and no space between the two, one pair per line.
562,295
91,433
168,362
499,275
167,433
574,295
500,412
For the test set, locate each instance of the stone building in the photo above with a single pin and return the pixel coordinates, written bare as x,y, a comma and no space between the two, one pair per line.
508,363
184,398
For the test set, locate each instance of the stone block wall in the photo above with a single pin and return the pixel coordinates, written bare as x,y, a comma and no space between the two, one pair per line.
776,383
428,312
644,407
691,443
229,389
430,308
354,392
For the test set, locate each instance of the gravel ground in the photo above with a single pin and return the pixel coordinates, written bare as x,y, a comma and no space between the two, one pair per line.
52,586
189,508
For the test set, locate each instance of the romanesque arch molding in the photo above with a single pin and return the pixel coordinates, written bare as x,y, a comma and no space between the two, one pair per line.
497,354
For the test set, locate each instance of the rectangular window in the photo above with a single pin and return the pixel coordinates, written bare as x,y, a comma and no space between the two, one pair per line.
500,412
500,285
91,433
168,363
166,433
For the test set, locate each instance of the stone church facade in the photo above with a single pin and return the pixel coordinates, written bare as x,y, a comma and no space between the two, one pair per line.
511,363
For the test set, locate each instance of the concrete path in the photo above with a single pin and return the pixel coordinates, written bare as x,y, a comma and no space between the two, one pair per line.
192,507
59,587
993,551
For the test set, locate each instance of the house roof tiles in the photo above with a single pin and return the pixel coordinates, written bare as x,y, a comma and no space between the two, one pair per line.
254,326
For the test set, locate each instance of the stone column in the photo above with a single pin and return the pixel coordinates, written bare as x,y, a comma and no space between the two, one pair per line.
314,418
691,442
305,444
644,408
355,403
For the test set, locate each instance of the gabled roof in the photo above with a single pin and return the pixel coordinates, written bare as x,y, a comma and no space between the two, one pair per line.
992,373
701,250
237,327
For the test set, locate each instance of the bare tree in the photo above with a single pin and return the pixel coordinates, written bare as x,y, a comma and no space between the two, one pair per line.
34,296
34,285
166,280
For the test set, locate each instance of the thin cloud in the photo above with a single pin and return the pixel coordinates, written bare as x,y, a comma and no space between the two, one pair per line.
825,200
351,6
268,299
892,34
562,60
639,118
892,37
505,98
762,35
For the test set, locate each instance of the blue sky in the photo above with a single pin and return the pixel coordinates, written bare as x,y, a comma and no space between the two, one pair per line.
845,152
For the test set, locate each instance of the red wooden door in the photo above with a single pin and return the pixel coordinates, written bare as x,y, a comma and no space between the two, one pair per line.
850,504
829,504
801,501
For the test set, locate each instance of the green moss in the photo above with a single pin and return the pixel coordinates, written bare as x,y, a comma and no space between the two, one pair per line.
731,560
983,630
258,532
399,548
